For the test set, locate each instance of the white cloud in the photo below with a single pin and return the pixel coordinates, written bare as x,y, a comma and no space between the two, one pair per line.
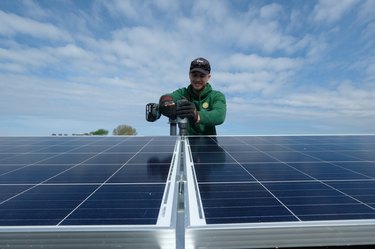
370,70
11,24
28,57
329,11
211,13
366,11
368,33
242,73
266,35
12,67
346,100
140,11
347,109
71,51
38,58
271,11
167,5
109,67
34,10
255,62
126,8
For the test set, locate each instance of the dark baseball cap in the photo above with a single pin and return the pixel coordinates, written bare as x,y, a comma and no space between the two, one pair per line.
200,65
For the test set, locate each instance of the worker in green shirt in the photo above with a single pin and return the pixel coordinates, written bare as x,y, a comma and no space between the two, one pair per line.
199,103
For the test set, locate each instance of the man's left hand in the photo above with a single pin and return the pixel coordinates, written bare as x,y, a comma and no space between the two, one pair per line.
186,109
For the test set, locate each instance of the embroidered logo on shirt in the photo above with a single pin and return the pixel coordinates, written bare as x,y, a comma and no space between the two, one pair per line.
205,105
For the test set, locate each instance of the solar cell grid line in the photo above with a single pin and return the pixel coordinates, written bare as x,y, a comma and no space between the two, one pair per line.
341,155
364,168
267,190
364,154
343,150
158,180
302,173
247,214
370,209
334,205
341,144
28,164
35,184
28,149
43,160
101,185
42,147
134,212
44,182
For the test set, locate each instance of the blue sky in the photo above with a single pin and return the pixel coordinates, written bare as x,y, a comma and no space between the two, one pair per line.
285,67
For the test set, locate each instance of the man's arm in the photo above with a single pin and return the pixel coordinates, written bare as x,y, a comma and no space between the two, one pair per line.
216,115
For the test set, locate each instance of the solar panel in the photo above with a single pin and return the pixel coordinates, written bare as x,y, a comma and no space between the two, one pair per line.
91,182
281,183
187,192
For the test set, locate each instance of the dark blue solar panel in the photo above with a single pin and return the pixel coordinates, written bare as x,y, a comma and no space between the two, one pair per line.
327,171
221,173
141,173
33,174
364,168
86,173
362,191
43,205
68,158
274,172
26,158
120,204
83,180
241,202
285,178
9,191
317,201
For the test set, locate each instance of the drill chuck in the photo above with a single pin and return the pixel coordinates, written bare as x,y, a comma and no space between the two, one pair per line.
182,125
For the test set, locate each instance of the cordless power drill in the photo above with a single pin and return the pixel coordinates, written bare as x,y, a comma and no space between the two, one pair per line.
153,113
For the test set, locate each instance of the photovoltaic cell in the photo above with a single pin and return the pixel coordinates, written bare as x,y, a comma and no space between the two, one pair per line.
120,204
285,178
241,203
247,185
83,180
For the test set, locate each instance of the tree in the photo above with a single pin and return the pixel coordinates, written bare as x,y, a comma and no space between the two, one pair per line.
100,132
124,130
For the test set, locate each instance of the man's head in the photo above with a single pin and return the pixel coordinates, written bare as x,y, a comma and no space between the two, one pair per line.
199,74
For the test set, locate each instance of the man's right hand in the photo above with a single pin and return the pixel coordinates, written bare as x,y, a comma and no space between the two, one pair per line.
167,106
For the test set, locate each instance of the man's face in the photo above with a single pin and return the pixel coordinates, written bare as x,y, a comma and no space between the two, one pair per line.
198,80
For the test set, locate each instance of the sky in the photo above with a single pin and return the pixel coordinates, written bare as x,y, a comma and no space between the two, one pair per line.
285,67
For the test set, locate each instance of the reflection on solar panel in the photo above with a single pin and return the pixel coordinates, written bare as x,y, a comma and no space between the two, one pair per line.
282,181
195,192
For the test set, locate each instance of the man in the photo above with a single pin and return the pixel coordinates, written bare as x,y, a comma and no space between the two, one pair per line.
204,107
